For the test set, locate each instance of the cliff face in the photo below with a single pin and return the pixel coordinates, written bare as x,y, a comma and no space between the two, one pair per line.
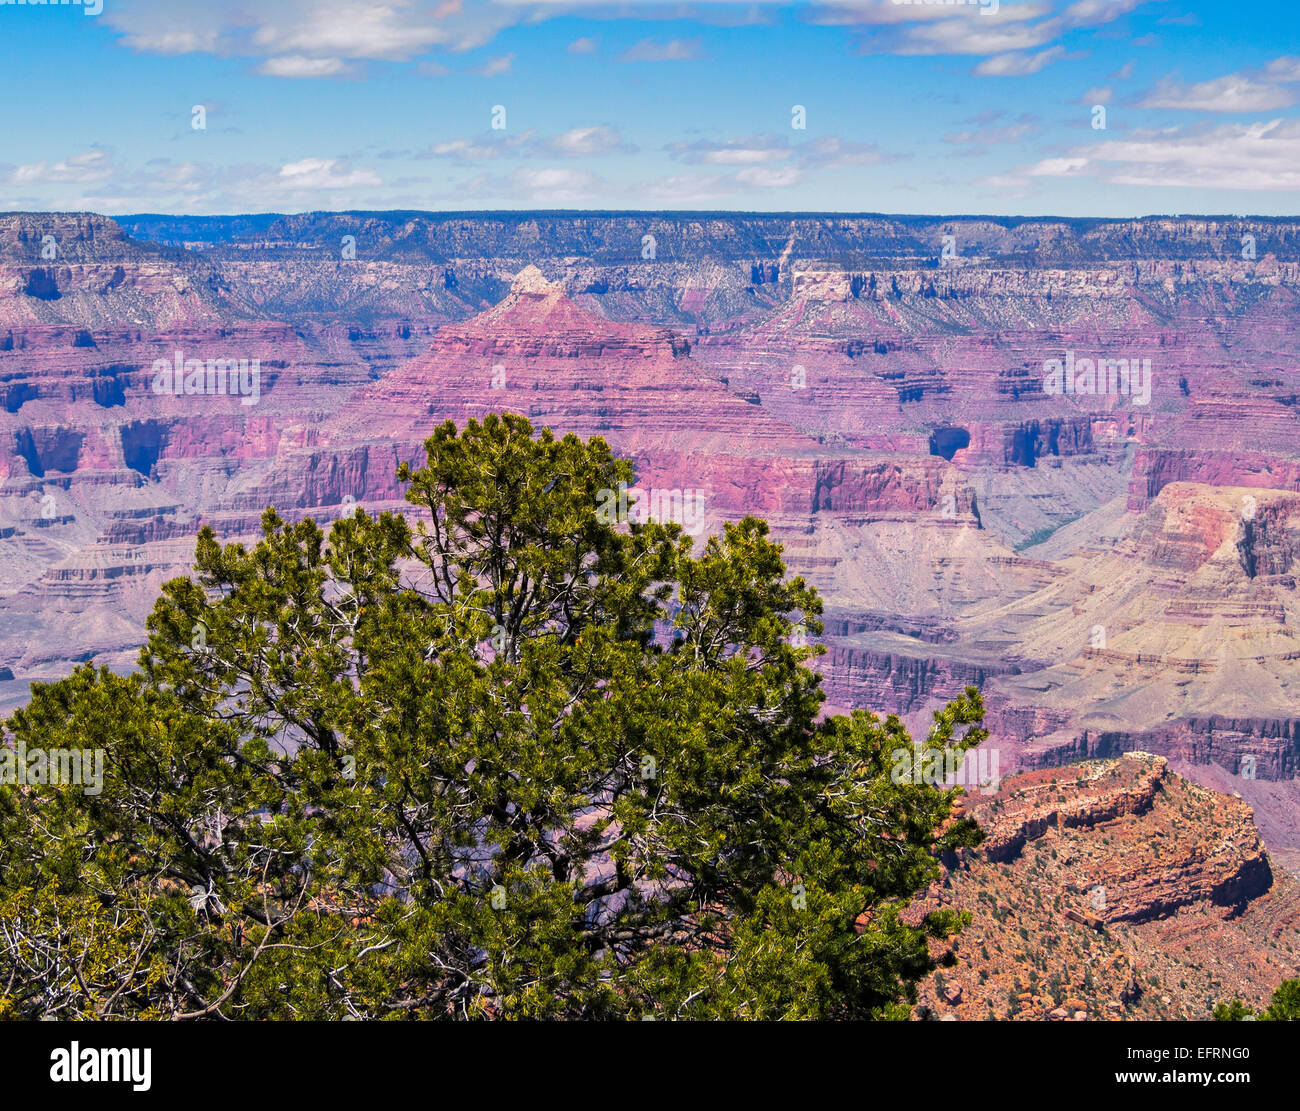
1112,890
1178,639
1268,748
762,242
903,682
1183,866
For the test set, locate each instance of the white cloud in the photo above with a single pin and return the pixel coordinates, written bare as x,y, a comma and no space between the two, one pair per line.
388,30
1234,93
588,142
172,41
466,150
95,165
1257,156
496,66
752,150
555,186
716,188
1058,167
831,152
965,37
164,185
580,142
825,152
1284,70
686,189
992,133
770,177
324,173
883,13
674,50
316,38
298,65
1007,37
1018,65
1091,13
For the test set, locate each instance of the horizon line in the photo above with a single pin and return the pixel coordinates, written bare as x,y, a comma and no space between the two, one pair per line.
809,214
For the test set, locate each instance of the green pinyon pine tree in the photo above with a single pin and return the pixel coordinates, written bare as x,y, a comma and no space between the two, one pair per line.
1283,1007
511,760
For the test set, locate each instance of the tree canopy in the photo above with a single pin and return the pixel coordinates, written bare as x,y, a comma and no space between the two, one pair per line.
1283,1007
496,757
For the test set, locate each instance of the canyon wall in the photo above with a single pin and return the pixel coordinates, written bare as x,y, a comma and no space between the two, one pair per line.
1112,563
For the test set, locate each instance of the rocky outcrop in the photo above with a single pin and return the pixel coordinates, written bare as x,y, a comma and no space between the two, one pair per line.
1222,862
1033,807
1112,889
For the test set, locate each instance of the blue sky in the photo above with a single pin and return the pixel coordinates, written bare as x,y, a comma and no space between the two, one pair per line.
908,107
